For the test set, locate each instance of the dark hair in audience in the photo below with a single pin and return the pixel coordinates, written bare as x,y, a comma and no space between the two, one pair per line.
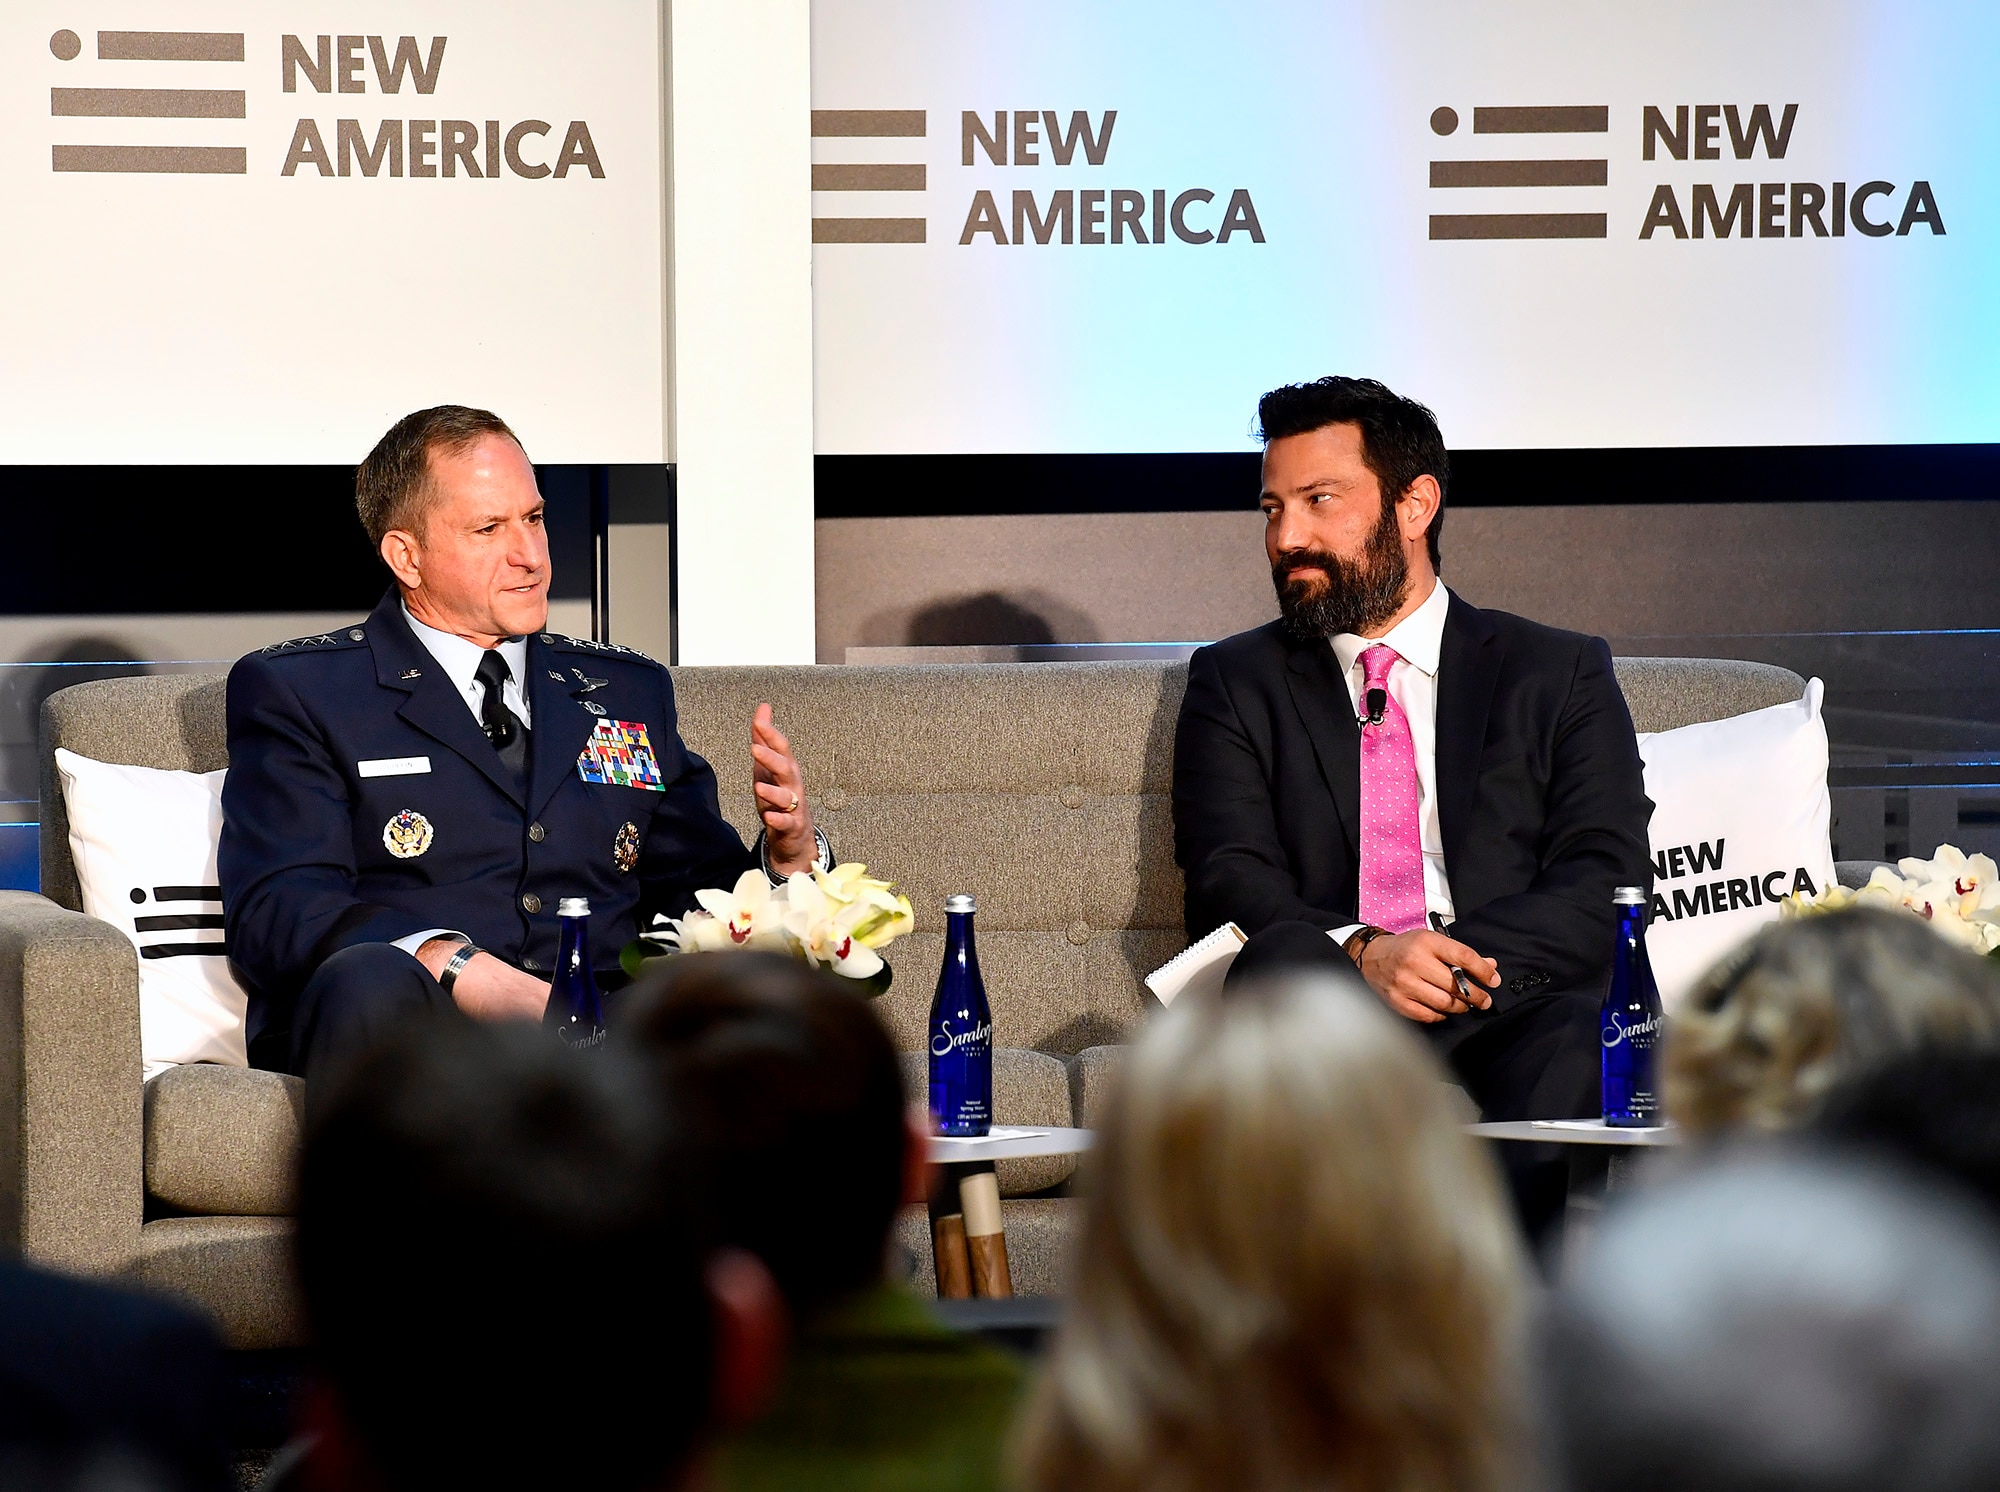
1780,1323
794,1091
1400,440
392,487
504,1264
1934,1110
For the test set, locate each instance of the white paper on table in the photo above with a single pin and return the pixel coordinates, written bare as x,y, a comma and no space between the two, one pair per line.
1623,1129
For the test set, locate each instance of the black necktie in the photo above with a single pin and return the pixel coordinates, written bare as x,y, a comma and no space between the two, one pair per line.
502,726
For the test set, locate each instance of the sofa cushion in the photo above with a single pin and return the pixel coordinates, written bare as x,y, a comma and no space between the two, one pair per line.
220,1140
1091,1072
237,1269
144,842
1029,1088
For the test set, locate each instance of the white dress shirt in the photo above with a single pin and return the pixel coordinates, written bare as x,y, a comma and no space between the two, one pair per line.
1419,640
460,661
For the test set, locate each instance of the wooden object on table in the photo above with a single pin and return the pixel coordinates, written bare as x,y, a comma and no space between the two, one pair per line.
985,1239
949,1256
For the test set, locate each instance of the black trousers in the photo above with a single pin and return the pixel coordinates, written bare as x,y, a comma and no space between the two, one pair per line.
352,1001
1536,1058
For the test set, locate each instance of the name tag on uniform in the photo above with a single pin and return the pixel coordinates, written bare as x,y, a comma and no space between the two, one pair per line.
394,766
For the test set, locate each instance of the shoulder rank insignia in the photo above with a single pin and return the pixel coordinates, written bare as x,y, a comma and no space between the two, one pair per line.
557,640
407,835
619,755
318,640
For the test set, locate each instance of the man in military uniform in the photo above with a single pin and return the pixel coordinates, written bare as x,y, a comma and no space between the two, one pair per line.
408,798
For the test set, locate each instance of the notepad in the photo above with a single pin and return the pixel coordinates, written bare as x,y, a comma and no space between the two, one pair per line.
1200,967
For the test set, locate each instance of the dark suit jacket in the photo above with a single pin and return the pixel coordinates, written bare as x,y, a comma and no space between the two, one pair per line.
1541,798
305,859
90,1369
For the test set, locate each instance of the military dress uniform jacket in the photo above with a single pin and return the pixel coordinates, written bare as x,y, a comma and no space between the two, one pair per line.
364,804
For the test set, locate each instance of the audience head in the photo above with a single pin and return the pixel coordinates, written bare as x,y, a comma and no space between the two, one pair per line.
1768,1033
1779,1323
1353,498
506,1276
1295,1268
793,1091
1937,1112
450,502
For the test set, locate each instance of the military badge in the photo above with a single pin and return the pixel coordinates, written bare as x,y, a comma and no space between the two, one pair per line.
407,835
625,848
619,755
594,707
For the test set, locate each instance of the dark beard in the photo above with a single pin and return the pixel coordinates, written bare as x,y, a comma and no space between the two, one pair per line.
1355,597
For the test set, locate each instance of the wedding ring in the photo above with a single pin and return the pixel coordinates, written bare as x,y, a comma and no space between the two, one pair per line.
795,804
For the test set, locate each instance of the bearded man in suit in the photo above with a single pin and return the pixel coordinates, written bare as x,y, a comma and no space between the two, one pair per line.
1393,783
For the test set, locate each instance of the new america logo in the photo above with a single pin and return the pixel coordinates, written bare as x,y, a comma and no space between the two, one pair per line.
1700,209
1015,216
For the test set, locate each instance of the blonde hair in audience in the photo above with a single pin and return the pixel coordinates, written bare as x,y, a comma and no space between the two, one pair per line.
1295,1270
1807,1003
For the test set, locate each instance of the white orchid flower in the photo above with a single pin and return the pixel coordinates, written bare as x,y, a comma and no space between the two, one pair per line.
750,915
868,909
823,931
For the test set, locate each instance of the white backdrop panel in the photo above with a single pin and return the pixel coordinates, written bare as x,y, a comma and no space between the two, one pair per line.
254,316
1322,112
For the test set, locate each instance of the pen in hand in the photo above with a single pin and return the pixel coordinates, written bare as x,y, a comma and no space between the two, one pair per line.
1457,974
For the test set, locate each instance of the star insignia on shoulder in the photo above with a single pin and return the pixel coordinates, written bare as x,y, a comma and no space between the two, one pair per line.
557,640
318,640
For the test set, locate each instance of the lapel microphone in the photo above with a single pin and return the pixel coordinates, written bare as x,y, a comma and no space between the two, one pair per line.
1378,702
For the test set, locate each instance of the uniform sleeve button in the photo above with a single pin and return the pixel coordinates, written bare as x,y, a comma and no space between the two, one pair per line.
1078,932
530,965
1071,796
537,833
531,903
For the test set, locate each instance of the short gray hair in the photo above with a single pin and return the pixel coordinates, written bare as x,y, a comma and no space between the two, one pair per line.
393,487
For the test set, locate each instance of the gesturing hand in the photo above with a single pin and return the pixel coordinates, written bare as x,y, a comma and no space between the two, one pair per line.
1412,973
781,797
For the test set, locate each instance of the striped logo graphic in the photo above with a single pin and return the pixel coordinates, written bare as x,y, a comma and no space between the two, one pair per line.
1565,171
191,909
893,127
151,103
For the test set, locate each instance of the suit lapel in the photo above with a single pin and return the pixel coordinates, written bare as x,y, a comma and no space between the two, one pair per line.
1320,696
1468,670
562,725
431,704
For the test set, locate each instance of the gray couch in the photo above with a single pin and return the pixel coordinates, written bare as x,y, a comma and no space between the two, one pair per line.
1041,788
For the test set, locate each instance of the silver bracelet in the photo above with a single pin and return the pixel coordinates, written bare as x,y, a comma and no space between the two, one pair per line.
455,965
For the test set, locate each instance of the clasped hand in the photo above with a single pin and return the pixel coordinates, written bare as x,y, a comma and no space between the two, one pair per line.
1412,973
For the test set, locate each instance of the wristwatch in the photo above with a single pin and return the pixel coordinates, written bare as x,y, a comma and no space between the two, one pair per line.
824,860
1358,941
455,965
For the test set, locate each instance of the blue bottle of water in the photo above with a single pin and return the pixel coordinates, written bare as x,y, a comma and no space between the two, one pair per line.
1631,1023
961,1047
575,1012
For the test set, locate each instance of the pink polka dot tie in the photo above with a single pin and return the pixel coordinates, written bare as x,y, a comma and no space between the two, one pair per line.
1392,853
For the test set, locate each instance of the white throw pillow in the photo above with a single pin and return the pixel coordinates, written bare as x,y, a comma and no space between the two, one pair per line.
144,845
1741,819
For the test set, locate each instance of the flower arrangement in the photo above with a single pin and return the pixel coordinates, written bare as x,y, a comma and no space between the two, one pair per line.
1957,893
838,919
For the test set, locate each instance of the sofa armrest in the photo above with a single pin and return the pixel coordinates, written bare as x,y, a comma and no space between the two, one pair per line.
71,1183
